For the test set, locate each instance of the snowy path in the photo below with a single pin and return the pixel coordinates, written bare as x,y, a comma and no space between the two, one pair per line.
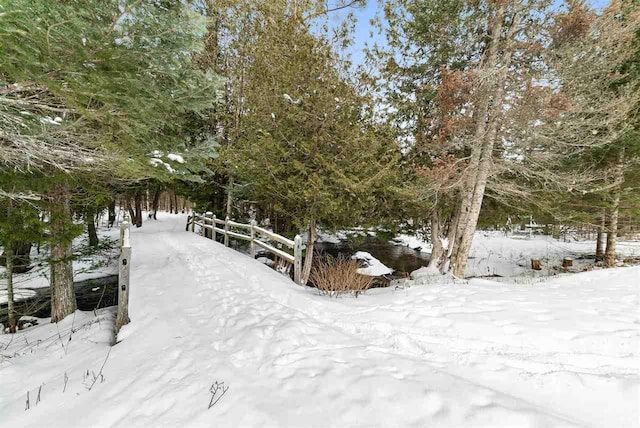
563,353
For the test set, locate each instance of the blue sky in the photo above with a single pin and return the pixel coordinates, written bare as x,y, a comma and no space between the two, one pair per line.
366,13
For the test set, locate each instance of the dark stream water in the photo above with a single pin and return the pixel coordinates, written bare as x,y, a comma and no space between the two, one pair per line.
403,260
90,294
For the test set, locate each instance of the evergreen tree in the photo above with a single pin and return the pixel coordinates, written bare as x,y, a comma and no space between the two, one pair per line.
99,89
308,147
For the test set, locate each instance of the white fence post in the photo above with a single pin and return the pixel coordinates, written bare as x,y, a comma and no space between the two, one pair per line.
297,264
213,231
226,231
202,228
122,317
253,237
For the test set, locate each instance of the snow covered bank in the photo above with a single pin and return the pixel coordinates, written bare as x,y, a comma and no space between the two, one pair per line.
372,266
492,253
561,353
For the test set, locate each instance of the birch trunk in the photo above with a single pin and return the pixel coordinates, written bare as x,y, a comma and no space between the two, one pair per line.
471,211
63,293
480,116
612,233
436,243
308,258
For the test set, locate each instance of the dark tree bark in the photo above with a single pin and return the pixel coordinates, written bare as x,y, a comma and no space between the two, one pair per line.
138,214
599,235
112,213
132,213
156,202
90,217
612,232
63,293
175,202
10,302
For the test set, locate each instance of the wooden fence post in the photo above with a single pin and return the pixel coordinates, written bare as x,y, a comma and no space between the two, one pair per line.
297,264
209,215
193,221
214,236
226,231
253,237
122,317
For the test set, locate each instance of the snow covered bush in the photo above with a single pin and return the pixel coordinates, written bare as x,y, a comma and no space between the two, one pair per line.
334,276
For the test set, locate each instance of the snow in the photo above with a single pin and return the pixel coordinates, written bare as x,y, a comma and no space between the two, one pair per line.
176,158
554,354
372,266
48,120
291,100
493,253
155,162
424,271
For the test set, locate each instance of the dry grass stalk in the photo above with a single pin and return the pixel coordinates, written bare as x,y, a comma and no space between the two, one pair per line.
338,276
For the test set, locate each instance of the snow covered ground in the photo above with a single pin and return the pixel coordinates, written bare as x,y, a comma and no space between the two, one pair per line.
560,353
492,253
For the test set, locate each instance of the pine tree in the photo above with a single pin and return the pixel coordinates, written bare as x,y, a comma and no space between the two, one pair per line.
97,89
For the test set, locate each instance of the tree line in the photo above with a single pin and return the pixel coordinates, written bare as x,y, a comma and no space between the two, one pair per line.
468,111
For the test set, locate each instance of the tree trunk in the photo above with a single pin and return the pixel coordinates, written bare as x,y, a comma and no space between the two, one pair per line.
112,213
436,243
601,231
471,210
63,293
308,258
230,197
480,116
10,302
451,238
612,233
138,205
90,217
156,202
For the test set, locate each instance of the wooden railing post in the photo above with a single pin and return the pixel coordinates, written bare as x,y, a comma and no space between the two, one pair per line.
122,317
213,231
207,234
226,231
193,221
253,238
297,264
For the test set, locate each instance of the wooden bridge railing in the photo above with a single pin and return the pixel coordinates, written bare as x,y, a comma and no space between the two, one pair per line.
254,234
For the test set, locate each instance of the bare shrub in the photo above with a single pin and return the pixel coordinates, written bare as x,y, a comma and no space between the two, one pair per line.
338,276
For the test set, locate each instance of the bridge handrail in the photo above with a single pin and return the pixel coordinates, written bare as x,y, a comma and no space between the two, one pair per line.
256,237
